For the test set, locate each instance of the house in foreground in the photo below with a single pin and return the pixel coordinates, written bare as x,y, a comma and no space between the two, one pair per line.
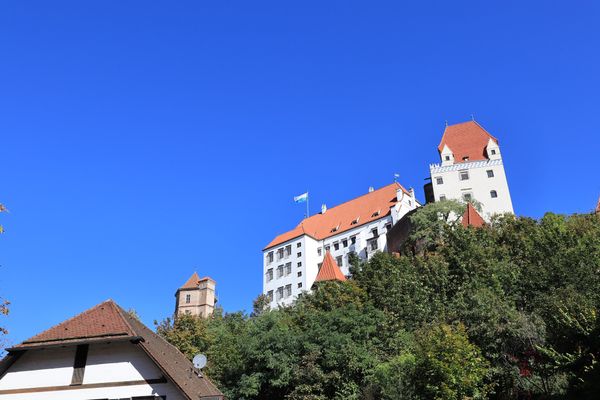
102,353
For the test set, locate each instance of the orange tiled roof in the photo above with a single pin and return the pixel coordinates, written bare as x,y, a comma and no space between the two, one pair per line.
467,139
194,280
362,209
471,217
329,270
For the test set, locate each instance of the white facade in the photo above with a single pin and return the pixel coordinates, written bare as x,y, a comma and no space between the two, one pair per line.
113,371
290,268
482,180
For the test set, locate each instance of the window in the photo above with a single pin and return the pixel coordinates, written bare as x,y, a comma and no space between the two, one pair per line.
494,194
299,254
490,173
270,295
288,269
298,245
279,295
442,197
375,214
336,245
188,298
345,242
280,271
299,274
319,251
288,290
493,151
355,221
299,265
375,232
439,180
447,158
388,227
270,257
467,196
269,274
464,175
280,253
300,285
339,261
327,248
372,244
288,250
410,203
352,239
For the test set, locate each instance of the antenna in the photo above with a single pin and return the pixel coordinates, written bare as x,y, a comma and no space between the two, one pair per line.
199,362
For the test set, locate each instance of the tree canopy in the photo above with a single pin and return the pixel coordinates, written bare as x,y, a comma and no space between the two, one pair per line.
507,311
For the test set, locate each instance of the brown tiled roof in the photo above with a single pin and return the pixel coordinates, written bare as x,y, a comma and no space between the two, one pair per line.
467,139
194,281
109,321
329,270
363,209
471,217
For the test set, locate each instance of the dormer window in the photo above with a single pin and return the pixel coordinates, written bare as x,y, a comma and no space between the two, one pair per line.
466,158
355,221
335,228
375,214
493,151
447,158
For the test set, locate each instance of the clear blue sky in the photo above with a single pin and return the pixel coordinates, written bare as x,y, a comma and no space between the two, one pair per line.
143,140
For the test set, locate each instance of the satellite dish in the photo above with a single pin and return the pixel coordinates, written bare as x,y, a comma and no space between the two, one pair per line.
199,361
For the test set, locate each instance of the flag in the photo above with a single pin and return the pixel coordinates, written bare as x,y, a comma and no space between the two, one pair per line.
301,199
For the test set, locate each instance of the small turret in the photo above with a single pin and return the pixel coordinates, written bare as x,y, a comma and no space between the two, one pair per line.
196,297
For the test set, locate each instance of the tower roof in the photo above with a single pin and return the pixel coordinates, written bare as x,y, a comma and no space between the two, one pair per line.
467,139
471,217
329,270
194,281
107,322
351,214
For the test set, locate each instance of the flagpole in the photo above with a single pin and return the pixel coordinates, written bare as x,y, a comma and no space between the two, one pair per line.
307,208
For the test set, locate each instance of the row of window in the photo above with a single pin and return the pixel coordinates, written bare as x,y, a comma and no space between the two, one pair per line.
282,270
469,196
463,176
283,252
282,292
492,152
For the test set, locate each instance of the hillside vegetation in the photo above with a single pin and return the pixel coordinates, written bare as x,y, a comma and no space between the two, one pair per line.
507,311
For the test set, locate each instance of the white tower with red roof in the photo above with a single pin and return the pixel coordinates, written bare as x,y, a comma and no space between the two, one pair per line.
471,168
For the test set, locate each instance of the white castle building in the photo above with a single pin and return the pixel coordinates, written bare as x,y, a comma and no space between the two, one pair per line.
292,260
471,168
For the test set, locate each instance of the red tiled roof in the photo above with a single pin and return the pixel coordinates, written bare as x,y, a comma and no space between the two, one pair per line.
329,270
471,217
108,322
467,139
101,321
363,209
194,281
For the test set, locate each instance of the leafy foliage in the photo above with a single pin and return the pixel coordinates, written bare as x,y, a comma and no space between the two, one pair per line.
507,311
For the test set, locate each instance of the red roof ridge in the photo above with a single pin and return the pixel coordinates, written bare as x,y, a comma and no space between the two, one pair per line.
192,281
471,217
329,270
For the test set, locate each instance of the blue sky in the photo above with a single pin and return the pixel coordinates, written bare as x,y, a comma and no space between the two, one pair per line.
142,141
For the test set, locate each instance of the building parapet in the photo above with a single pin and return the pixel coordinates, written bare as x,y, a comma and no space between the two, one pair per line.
438,168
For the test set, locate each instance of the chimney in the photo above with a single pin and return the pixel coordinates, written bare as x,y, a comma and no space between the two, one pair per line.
371,189
323,208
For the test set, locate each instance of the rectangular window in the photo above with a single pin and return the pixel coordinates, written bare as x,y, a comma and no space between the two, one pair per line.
279,294
336,245
319,251
288,269
447,158
353,240
467,196
388,227
493,151
269,274
327,248
279,254
490,173
280,271
375,232
300,285
439,180
339,261
188,298
464,175
299,265
442,197
299,244
288,290
299,274
345,242
299,254
288,250
493,194
270,257
372,244
270,295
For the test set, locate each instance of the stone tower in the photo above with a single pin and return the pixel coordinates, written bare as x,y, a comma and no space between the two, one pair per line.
196,297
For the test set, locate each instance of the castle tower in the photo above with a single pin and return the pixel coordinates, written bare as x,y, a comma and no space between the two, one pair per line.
471,168
196,297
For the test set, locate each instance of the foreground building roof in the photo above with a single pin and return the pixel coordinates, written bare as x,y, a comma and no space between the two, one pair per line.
329,270
471,217
109,323
466,140
351,214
